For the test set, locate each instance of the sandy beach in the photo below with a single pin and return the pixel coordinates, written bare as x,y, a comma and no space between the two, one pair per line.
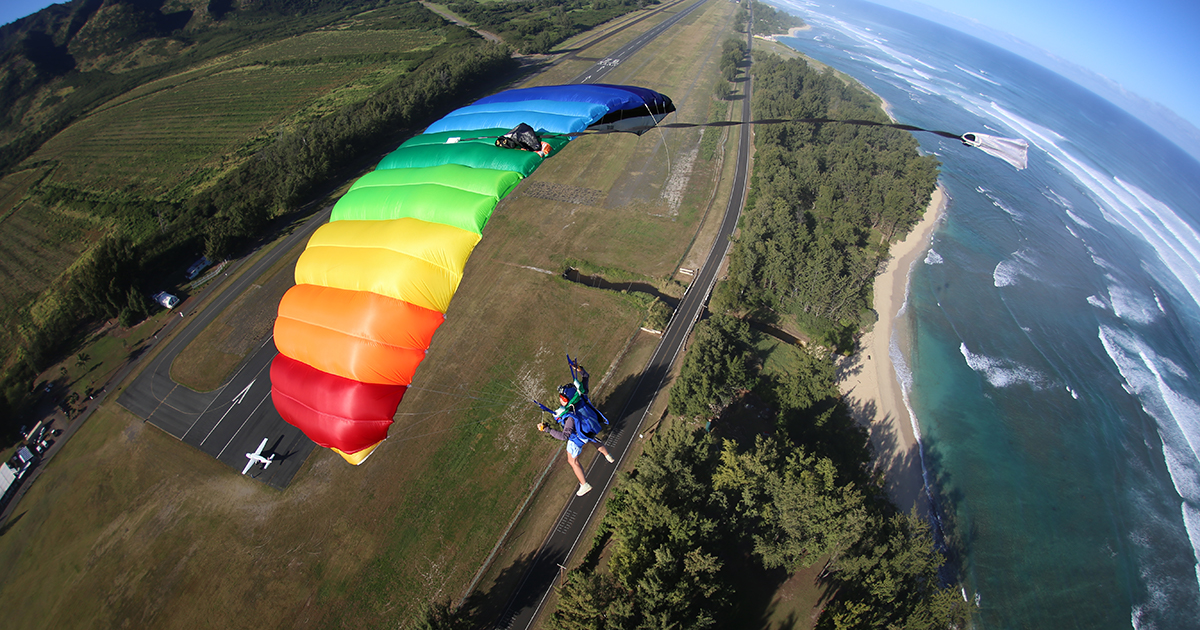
868,380
792,32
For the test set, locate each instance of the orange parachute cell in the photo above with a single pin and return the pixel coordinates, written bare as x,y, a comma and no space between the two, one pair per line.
355,334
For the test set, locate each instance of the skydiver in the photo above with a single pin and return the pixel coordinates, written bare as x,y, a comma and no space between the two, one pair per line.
580,422
575,439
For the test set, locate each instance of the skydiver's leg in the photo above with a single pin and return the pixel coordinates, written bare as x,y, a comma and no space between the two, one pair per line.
604,452
573,460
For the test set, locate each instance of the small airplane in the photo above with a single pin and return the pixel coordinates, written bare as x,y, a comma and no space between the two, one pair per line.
257,458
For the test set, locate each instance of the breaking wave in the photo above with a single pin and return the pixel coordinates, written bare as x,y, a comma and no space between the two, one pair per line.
1003,372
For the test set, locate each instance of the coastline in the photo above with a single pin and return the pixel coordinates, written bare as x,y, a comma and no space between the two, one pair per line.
867,379
791,33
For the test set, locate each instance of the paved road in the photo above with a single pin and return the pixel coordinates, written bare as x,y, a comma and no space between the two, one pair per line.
597,72
527,603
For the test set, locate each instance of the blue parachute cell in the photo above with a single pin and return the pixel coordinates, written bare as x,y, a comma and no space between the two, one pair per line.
557,109
613,97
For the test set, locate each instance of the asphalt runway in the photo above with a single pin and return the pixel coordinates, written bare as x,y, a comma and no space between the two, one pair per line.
596,73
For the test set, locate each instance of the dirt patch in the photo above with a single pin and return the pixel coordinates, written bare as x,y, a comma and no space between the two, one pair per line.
564,193
680,175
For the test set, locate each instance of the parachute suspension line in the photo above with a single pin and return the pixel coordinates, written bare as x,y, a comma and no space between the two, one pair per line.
568,336
509,392
763,121
399,438
466,396
1011,150
444,410
664,141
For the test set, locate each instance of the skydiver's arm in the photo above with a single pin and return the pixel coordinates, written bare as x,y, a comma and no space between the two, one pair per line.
581,381
567,430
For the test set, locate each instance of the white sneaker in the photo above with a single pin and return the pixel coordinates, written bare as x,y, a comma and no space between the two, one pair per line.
583,489
609,458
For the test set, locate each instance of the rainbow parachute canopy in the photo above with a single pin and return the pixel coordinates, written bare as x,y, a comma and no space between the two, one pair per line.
374,283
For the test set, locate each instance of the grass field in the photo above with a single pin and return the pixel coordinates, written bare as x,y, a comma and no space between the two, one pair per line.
156,141
172,129
127,527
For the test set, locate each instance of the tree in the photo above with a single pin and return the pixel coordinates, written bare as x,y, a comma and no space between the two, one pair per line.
666,534
136,307
810,515
440,616
813,381
591,600
716,365
891,579
789,503
722,90
659,315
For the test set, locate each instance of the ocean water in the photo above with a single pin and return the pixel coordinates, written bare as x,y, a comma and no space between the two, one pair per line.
1050,340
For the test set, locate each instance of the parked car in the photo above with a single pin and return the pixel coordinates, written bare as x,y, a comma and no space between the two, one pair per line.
165,299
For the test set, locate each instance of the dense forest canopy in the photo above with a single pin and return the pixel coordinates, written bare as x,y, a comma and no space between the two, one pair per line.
826,200
770,21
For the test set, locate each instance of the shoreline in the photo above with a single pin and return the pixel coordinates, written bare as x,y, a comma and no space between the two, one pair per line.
792,32
867,379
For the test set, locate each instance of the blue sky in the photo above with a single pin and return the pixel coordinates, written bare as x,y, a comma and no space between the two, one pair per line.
1151,47
13,10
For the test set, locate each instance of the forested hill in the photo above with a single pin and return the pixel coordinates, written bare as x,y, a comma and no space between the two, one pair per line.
66,59
770,21
826,201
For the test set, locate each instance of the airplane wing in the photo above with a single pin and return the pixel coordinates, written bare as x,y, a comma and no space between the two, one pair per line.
256,457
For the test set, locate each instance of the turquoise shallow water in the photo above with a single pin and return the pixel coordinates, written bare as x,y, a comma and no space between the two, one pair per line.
1053,331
